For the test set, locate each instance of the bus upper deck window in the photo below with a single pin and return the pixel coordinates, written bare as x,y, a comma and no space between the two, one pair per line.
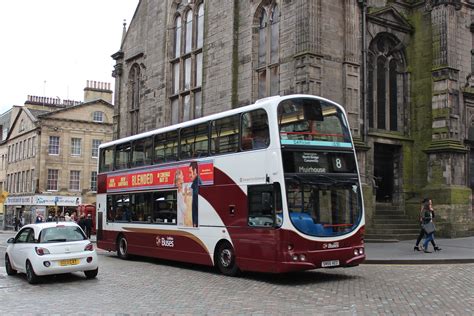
255,130
106,159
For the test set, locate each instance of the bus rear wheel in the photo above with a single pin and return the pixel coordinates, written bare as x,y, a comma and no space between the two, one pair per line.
225,259
122,248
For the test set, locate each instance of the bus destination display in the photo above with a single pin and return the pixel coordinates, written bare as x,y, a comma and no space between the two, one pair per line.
318,162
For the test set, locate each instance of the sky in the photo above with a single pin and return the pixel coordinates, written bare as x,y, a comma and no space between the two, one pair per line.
52,47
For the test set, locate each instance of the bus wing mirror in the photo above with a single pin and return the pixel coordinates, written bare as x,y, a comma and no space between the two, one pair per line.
266,202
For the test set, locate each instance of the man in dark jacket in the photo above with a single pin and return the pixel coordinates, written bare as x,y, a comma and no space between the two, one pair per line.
88,225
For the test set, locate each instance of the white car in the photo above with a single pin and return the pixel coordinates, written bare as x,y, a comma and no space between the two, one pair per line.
50,248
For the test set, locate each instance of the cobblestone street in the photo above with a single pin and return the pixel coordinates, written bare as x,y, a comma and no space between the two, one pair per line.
155,286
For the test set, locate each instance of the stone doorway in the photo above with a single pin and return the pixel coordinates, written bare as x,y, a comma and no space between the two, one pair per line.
387,172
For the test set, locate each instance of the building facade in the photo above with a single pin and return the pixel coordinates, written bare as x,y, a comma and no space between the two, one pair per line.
402,70
52,153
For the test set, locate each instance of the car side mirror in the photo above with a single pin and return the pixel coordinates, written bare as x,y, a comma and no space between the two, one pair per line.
11,240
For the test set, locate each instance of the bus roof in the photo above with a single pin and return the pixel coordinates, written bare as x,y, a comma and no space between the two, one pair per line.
258,104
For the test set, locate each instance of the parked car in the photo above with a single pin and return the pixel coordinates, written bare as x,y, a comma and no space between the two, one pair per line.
50,248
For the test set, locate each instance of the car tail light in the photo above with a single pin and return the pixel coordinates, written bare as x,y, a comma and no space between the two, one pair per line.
89,247
41,251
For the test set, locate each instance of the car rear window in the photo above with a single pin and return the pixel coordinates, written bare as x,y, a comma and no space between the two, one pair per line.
61,234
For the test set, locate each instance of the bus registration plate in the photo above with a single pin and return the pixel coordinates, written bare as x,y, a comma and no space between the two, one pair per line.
330,263
69,262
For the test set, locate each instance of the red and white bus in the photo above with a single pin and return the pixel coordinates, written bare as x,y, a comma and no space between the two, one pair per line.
270,187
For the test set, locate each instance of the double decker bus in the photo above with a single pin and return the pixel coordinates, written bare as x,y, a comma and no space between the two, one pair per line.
269,187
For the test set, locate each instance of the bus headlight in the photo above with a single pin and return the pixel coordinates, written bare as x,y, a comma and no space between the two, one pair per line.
295,257
302,258
356,252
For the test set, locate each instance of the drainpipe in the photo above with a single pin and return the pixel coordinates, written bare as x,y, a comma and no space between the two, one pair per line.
363,6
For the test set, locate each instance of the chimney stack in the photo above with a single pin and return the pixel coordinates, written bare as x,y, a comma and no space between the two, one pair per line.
97,90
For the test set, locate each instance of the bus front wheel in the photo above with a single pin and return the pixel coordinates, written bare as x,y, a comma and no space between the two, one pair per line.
225,259
122,248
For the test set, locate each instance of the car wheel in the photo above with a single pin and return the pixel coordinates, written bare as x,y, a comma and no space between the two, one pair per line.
225,260
8,266
30,274
122,248
91,273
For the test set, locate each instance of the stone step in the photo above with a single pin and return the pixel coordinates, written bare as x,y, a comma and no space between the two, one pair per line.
386,206
389,217
392,224
393,231
386,237
378,220
384,212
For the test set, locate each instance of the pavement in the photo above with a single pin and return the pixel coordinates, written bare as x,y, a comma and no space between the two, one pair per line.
454,250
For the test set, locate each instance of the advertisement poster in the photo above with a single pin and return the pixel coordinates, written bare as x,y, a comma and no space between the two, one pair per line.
186,178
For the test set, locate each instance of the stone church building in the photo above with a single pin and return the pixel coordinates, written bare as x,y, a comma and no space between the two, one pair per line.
401,68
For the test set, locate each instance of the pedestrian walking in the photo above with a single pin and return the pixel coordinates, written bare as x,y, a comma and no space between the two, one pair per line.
88,225
16,223
82,222
428,226
39,218
422,231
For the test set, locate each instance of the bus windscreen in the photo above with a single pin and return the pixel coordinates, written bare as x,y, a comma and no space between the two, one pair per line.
311,122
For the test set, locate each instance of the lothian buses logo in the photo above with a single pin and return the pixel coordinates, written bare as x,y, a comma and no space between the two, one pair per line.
166,241
331,245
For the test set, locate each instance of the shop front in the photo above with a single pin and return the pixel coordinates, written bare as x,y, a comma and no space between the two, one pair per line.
26,208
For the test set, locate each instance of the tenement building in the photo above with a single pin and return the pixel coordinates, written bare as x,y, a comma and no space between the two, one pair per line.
52,152
402,70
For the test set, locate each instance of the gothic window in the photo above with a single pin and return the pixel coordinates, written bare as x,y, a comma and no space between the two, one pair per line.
385,83
134,98
267,46
186,61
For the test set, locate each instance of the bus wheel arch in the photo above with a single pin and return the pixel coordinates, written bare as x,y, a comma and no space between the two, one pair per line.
122,247
225,259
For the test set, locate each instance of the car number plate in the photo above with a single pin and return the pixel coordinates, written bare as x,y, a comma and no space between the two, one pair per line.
330,263
69,262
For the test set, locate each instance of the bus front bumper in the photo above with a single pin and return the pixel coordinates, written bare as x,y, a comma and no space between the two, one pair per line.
320,259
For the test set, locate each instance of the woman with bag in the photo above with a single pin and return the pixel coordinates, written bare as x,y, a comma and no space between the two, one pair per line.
428,226
422,231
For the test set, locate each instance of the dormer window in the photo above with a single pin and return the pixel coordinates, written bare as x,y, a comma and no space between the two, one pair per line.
98,116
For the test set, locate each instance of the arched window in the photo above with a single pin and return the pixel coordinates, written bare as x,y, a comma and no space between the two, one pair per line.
134,98
268,43
200,26
177,36
385,82
186,61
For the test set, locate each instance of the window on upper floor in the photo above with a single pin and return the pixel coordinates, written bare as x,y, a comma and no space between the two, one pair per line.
386,83
134,98
53,147
76,144
94,181
74,180
52,181
266,65
187,62
98,116
95,147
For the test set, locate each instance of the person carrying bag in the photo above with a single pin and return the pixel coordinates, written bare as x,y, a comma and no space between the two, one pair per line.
428,226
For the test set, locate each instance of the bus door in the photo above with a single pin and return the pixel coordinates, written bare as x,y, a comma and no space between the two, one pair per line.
257,243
